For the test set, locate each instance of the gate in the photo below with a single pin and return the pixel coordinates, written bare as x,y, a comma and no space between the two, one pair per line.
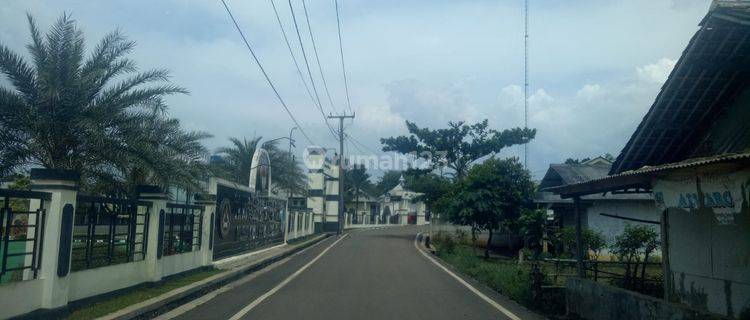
245,221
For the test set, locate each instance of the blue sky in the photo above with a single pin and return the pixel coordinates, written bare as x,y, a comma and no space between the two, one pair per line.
595,66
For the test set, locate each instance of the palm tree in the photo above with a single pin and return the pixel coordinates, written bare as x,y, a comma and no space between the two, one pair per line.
357,181
66,111
286,171
237,160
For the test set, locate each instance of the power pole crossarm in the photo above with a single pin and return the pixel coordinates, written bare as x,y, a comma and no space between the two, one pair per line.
341,168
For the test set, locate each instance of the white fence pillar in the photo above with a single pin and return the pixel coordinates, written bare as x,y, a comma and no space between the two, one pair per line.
58,232
154,239
209,219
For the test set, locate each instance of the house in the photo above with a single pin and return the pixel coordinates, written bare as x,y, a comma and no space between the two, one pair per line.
362,209
691,151
607,212
400,206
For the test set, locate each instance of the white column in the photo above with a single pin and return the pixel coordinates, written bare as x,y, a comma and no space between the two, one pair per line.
158,199
209,213
63,185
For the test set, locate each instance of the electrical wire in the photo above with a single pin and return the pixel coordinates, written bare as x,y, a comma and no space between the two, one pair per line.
265,74
317,58
309,72
343,64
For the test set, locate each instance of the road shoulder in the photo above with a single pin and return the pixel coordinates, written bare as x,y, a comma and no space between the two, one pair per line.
511,308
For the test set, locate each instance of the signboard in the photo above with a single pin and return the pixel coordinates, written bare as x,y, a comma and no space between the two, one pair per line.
724,194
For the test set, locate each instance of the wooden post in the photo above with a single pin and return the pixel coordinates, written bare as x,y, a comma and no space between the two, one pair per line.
579,242
666,272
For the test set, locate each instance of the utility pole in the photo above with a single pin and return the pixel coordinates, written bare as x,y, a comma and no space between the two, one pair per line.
341,167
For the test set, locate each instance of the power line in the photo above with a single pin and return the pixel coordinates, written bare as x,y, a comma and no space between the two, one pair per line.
341,51
350,142
299,71
309,73
317,58
263,70
356,142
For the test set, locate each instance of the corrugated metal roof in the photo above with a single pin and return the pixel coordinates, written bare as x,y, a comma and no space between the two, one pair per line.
613,182
564,173
707,78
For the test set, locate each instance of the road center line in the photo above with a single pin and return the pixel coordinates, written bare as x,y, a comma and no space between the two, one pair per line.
278,287
466,284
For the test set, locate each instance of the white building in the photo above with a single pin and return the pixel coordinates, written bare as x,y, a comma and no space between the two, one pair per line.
399,206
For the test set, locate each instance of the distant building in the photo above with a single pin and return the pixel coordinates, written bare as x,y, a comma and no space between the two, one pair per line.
607,213
692,151
362,209
323,189
400,206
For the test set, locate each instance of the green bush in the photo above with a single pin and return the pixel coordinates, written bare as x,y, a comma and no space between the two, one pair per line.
505,277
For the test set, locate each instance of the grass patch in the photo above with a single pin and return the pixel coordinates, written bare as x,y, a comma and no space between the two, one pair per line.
137,295
503,276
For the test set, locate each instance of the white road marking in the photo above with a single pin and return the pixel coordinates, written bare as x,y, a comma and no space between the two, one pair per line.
467,285
174,313
278,287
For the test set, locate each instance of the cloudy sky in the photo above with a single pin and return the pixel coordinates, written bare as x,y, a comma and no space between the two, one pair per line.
595,66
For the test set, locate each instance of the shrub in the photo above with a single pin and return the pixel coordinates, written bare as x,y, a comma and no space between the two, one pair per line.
593,241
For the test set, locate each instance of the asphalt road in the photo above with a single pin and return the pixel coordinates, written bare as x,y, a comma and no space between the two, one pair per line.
367,274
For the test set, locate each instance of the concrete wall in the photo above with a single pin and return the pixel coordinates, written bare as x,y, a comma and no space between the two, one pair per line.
592,300
612,227
55,287
708,240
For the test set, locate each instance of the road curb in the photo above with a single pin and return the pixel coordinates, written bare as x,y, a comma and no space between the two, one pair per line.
167,301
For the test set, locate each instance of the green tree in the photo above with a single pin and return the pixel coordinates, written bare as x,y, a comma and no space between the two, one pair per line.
633,246
236,160
491,196
432,187
67,111
357,183
593,241
387,181
287,173
457,146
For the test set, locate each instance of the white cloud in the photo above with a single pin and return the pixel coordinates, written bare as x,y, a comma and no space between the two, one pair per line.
656,72
590,91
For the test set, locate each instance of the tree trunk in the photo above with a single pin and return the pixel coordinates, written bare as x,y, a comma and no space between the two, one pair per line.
489,243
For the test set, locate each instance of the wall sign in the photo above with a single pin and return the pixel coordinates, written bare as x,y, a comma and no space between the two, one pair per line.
724,194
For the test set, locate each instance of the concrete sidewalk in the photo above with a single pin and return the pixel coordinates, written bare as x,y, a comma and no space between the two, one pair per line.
234,268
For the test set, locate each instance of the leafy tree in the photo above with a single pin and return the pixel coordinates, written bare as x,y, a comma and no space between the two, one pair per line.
491,196
67,111
457,146
592,240
387,181
635,243
357,182
432,187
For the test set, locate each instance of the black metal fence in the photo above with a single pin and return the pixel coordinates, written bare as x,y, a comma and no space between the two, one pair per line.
183,226
108,231
246,221
21,234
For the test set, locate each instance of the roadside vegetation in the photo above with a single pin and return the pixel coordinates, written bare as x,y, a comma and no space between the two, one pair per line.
484,194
